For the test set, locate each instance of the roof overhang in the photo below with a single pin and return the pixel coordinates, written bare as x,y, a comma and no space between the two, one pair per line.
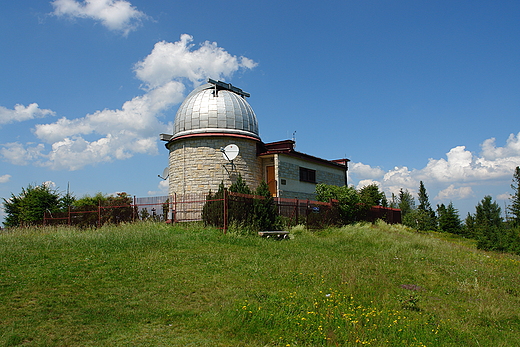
286,147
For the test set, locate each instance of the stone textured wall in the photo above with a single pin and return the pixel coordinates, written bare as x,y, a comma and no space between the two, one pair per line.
297,195
196,164
289,170
334,179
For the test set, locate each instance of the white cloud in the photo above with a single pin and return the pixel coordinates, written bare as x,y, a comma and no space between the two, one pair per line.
117,15
22,113
460,168
364,183
462,165
179,60
491,152
109,135
452,193
366,171
49,184
163,189
18,154
400,178
505,196
5,178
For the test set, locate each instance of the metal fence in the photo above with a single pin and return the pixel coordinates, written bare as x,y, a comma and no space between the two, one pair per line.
190,207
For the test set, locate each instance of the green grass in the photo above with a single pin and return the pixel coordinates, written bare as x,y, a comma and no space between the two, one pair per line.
159,285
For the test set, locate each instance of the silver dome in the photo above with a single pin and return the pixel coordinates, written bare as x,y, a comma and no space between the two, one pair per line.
211,108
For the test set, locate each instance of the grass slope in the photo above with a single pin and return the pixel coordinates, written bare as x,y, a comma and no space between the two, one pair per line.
158,285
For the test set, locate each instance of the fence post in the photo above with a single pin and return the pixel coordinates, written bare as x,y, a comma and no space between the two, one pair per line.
307,213
225,209
174,208
99,214
133,210
297,211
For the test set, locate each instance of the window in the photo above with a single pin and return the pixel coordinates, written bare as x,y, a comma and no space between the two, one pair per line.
307,175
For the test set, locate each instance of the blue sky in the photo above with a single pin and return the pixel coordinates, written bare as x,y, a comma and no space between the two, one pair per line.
408,90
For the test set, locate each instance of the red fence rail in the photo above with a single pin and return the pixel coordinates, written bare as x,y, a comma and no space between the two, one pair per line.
189,207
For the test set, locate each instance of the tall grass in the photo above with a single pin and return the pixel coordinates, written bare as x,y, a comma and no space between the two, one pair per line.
152,284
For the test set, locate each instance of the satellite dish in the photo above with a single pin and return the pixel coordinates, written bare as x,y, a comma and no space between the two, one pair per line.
230,152
165,173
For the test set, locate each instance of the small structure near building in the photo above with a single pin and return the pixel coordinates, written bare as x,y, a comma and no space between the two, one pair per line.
215,117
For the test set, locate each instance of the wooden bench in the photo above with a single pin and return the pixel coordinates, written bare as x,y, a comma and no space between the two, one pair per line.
275,234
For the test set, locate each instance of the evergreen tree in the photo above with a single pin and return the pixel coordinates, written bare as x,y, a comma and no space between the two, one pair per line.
406,202
514,208
394,202
265,212
489,226
212,212
239,186
371,196
384,200
426,216
448,219
469,226
409,215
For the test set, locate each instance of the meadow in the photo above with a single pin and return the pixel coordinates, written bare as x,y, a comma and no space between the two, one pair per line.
152,284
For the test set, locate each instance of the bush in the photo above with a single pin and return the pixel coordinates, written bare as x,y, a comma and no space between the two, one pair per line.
29,207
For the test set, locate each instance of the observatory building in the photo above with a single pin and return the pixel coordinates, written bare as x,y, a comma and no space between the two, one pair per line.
215,138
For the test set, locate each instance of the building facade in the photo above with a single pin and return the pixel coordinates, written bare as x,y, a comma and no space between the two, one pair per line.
216,117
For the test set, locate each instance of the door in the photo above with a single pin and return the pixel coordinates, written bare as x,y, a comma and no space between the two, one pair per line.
271,180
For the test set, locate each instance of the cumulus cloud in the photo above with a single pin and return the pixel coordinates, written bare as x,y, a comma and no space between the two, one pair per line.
117,15
109,135
366,171
18,154
179,60
5,178
400,178
22,113
453,175
163,189
462,165
452,193
505,196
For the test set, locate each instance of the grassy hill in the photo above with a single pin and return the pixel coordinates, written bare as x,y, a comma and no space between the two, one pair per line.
159,285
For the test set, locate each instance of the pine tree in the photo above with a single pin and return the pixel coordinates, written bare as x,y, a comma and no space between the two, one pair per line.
408,211
427,218
239,186
448,219
469,226
394,203
371,196
265,212
514,208
406,202
490,227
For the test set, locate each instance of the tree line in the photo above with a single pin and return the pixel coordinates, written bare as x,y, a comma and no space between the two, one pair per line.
486,225
28,207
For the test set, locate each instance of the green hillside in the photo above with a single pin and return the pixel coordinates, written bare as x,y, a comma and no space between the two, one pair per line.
158,285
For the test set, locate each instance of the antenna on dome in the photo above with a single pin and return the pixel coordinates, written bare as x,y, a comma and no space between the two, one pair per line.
219,85
165,174
230,152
